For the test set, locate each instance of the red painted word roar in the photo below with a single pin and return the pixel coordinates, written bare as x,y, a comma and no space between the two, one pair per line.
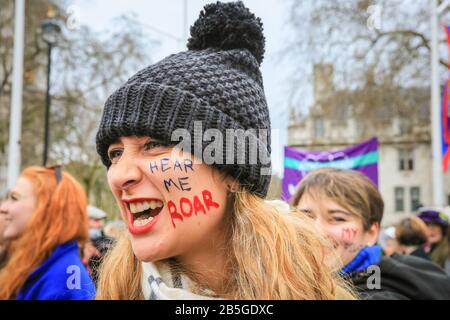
187,207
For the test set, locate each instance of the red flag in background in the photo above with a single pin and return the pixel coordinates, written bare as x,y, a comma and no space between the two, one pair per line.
446,118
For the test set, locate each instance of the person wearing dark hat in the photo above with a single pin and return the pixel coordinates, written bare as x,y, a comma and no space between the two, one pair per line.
437,245
191,190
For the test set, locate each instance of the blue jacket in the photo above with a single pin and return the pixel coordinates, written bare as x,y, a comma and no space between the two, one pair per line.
62,276
366,257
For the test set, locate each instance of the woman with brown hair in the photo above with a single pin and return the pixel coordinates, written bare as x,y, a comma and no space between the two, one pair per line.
201,229
46,218
411,235
348,208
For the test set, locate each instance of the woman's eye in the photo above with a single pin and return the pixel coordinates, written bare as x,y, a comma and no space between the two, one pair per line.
154,144
339,219
12,197
114,155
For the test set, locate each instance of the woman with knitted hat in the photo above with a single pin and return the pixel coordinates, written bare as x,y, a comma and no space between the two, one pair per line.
198,225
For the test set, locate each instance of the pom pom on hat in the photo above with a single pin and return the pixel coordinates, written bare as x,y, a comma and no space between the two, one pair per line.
228,26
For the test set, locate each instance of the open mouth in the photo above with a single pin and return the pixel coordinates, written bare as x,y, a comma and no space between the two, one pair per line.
143,212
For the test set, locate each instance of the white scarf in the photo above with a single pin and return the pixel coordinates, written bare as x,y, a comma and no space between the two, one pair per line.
160,283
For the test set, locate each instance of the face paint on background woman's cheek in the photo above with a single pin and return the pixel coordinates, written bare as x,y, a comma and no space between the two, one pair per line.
348,234
343,238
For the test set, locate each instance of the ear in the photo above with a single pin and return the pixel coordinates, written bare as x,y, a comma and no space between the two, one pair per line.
372,233
232,184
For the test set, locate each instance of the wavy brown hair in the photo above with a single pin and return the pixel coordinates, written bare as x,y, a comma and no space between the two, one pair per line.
411,231
60,216
273,254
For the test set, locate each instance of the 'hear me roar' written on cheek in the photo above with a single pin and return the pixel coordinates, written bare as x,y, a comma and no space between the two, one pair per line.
188,206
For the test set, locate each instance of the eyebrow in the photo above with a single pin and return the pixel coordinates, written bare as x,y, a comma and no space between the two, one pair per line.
305,210
147,139
339,211
150,139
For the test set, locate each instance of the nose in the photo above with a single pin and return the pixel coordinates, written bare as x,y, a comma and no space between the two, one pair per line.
3,209
318,223
125,173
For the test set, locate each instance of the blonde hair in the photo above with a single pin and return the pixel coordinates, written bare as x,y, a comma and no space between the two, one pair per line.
114,229
272,255
350,189
60,216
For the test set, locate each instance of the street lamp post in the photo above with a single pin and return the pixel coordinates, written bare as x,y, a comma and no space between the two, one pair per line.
15,127
50,34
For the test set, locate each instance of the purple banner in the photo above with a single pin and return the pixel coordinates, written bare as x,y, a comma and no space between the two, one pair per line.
362,157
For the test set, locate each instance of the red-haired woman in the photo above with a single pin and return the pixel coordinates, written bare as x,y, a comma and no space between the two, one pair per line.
3,242
46,218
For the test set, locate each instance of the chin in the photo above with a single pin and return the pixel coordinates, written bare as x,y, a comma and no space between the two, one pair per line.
145,250
11,235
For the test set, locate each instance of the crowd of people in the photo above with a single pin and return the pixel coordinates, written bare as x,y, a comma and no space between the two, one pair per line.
425,236
348,208
200,230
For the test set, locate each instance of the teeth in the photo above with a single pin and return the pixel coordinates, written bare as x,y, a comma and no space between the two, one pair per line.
145,205
142,222
157,204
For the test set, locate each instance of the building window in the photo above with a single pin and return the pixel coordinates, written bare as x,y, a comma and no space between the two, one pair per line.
399,199
415,198
319,128
405,159
405,125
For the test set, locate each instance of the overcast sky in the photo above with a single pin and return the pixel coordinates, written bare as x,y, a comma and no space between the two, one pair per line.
168,16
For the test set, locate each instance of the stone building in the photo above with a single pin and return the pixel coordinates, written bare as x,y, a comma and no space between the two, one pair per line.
400,119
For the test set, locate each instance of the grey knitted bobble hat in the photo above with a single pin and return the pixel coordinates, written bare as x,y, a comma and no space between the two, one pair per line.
216,83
